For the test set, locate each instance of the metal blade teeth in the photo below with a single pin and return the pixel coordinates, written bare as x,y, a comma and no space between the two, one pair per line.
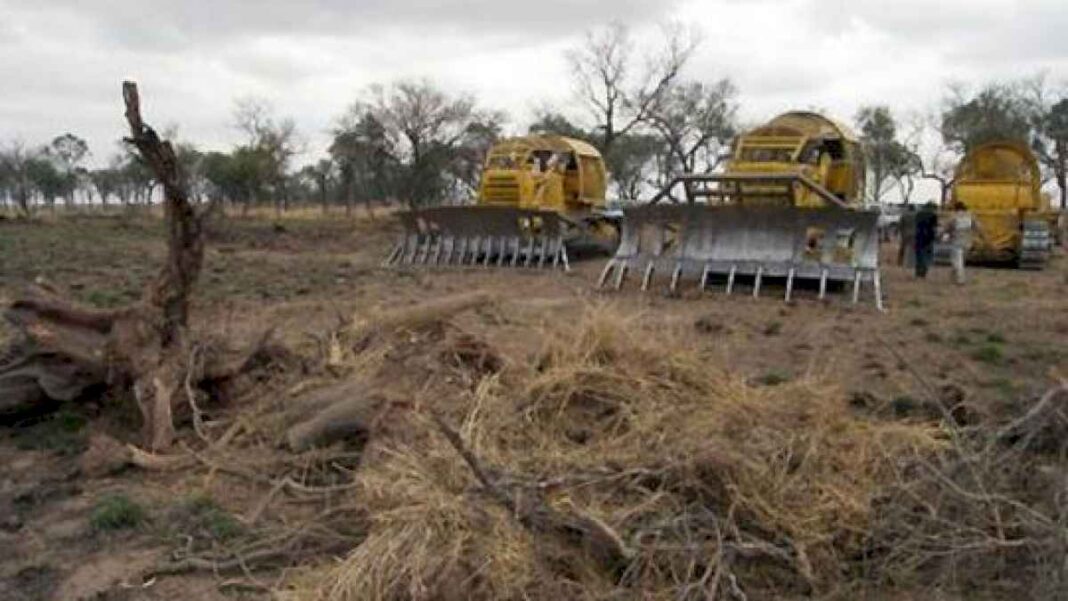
748,246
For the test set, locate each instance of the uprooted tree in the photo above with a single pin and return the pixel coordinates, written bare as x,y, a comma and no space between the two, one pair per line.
64,352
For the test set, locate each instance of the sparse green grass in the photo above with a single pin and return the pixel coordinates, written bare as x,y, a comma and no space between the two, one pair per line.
904,405
1004,386
933,337
106,299
201,516
918,322
70,249
773,329
995,338
106,261
991,336
991,354
62,432
116,512
985,346
1041,354
773,378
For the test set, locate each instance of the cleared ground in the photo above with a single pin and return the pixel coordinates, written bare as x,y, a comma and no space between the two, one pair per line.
984,348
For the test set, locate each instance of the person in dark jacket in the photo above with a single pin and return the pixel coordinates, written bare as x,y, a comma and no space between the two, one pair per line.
906,251
926,233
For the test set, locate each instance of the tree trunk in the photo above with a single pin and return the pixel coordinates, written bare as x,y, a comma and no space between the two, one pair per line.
158,367
24,203
322,193
1062,185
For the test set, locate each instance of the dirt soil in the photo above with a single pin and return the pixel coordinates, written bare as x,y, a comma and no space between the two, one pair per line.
992,343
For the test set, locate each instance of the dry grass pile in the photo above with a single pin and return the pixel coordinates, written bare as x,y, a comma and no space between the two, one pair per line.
699,482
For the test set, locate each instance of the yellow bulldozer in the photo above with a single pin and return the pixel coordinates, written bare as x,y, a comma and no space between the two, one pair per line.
539,196
1000,184
788,205
818,162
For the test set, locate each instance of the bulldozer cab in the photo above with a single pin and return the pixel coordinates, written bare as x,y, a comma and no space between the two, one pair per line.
544,172
807,145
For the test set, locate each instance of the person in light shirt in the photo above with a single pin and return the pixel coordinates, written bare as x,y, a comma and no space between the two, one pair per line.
959,229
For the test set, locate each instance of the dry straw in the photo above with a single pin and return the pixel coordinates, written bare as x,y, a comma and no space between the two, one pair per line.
711,483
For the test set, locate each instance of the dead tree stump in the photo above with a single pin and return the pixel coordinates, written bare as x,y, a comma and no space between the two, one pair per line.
63,350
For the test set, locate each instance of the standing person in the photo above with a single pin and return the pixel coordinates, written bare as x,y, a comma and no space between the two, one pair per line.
906,252
926,231
960,231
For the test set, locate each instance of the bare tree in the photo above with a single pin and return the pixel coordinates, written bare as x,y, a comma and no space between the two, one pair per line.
1050,117
930,156
886,157
275,141
469,157
6,184
68,152
322,176
617,94
996,112
106,182
548,121
637,159
696,122
48,181
17,162
422,130
364,152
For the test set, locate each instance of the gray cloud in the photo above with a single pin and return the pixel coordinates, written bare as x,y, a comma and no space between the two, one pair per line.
980,30
62,60
167,25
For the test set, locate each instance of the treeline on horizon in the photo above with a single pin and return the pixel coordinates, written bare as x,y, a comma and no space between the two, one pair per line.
414,143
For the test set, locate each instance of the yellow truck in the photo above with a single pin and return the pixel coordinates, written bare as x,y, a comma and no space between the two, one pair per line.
1000,184
539,196
788,205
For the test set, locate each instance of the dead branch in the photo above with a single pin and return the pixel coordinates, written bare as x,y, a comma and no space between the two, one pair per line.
264,347
343,410
534,513
419,315
337,422
159,463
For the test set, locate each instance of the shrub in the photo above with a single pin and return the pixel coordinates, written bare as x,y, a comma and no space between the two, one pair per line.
116,512
202,514
990,354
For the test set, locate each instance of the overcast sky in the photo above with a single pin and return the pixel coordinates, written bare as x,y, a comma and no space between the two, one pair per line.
62,61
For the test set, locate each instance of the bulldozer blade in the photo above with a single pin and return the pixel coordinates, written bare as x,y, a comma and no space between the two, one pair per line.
479,236
749,244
